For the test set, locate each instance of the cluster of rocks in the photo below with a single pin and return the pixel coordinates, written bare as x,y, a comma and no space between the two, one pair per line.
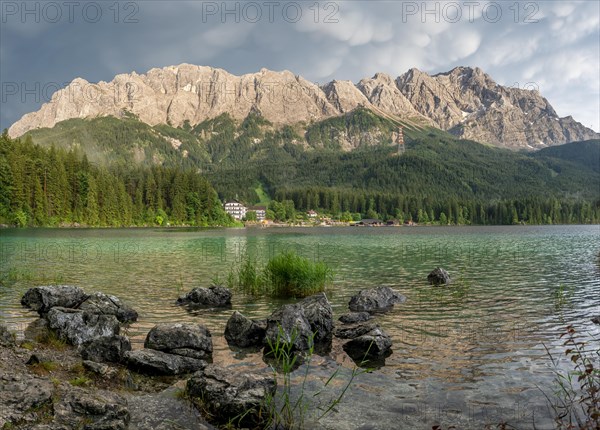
309,323
92,323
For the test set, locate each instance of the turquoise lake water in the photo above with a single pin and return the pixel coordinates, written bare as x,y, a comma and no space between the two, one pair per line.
469,355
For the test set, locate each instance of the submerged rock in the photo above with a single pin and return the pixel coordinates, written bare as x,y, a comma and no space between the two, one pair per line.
373,345
228,394
375,299
244,332
213,296
104,304
355,317
319,314
110,349
189,340
439,276
153,362
44,298
354,332
78,327
289,325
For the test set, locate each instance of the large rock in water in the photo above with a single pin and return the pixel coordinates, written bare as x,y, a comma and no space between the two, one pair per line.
244,332
439,276
373,345
228,394
77,327
188,340
375,299
152,362
289,325
319,314
42,299
104,304
355,317
214,296
110,349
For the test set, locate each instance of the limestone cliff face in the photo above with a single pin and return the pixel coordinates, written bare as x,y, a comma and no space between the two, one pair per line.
469,104
464,101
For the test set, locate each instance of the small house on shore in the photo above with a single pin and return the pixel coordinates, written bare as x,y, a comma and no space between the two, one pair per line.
261,212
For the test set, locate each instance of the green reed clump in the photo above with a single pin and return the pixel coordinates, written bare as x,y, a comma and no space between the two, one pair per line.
284,275
291,275
576,400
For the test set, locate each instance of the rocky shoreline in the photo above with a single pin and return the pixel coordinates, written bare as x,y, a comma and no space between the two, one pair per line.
75,369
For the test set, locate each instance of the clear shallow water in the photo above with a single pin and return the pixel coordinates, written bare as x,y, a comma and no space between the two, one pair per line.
469,355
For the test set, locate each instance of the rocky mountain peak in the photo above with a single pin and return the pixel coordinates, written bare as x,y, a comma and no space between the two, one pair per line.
464,101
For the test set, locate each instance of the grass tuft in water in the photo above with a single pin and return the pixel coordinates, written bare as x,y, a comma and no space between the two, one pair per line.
285,275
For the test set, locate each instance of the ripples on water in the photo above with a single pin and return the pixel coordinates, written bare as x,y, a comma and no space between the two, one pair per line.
467,355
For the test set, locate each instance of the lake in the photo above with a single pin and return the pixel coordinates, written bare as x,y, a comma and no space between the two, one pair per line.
468,355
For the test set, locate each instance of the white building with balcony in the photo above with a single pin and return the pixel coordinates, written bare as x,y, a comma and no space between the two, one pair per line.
235,209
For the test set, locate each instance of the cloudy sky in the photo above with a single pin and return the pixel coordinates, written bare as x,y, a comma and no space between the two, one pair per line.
553,46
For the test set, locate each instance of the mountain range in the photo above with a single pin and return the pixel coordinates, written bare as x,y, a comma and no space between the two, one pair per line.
464,102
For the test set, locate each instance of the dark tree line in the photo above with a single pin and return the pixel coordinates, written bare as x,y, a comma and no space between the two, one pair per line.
48,186
529,210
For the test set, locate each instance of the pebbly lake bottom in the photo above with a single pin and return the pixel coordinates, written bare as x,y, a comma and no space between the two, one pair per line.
467,356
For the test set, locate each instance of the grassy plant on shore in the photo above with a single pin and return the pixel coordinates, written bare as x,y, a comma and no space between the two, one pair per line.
284,275
80,381
51,340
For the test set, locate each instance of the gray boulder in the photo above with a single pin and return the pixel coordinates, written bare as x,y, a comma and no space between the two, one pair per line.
21,393
97,410
354,332
189,340
375,344
355,317
100,369
104,304
227,393
289,325
6,337
375,299
213,296
319,314
439,276
78,327
106,349
154,363
244,332
42,299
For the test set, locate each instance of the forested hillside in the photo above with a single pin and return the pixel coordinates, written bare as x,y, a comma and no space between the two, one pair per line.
347,166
